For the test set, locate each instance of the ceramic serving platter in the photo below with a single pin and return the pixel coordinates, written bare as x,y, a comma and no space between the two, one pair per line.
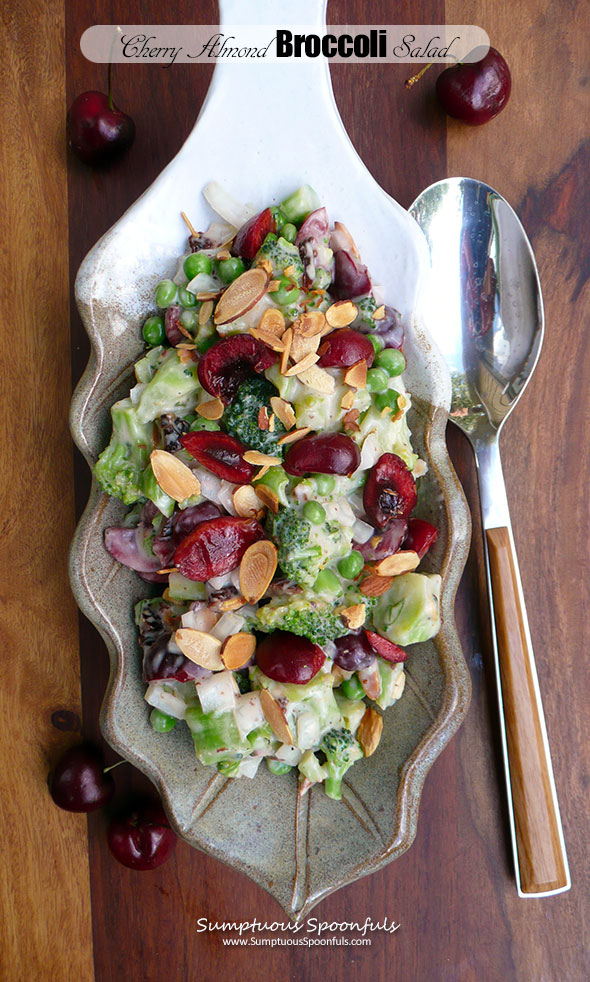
316,845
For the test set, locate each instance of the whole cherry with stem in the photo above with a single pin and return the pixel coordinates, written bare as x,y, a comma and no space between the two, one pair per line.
472,92
96,129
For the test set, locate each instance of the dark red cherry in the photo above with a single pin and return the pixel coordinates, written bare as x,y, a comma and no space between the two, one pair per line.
421,536
216,547
351,278
286,657
162,662
390,491
142,838
221,454
78,783
171,320
344,348
251,235
323,453
385,648
230,362
475,92
353,652
385,543
96,129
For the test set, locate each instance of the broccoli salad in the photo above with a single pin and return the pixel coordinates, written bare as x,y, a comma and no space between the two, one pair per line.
265,456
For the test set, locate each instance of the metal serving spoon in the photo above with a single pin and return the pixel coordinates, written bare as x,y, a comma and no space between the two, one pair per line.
486,316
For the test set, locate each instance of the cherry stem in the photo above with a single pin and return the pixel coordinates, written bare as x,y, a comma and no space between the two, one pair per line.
416,78
112,766
109,78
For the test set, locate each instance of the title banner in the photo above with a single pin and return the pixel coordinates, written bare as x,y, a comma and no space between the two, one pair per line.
197,44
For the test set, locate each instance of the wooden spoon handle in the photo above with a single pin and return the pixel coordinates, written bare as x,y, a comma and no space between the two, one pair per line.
541,854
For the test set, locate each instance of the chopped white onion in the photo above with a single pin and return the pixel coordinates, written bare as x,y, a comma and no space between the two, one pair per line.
248,713
219,582
308,730
228,624
218,693
166,702
201,618
224,496
362,531
203,283
209,482
249,766
370,453
232,211
290,755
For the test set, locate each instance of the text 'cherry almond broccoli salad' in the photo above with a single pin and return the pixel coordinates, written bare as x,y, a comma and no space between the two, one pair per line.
266,457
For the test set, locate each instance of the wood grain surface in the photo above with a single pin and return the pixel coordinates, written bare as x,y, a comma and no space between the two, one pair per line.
44,887
453,893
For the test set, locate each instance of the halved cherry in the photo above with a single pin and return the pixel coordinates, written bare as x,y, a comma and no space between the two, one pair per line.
251,235
344,348
386,648
286,657
171,319
385,543
351,278
315,226
230,362
221,454
421,536
323,453
390,491
216,547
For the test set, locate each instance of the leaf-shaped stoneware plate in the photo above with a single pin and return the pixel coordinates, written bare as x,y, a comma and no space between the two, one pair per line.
237,141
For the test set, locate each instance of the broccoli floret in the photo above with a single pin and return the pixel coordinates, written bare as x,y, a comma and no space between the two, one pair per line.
174,388
341,750
299,560
120,466
241,418
316,620
281,254
366,307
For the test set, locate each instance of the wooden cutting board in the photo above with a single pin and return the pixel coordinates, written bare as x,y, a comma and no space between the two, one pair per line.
68,910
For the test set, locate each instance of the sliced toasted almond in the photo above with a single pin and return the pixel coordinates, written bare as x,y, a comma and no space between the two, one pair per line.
353,616
266,265
275,717
205,312
402,402
257,569
175,478
223,254
261,472
241,295
350,420
237,650
340,674
189,224
271,423
233,603
342,313
268,498
310,324
379,314
374,586
201,648
284,410
347,400
369,731
263,418
246,502
273,286
419,469
185,346
208,295
185,356
289,270
267,338
295,435
347,237
287,342
303,346
401,562
356,376
272,321
302,365
260,459
212,409
317,379
183,331
164,572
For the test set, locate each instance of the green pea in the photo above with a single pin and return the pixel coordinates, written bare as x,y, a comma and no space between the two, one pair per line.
189,319
197,262
352,688
186,298
288,292
328,583
314,512
161,722
351,565
154,332
392,360
166,292
279,218
205,343
289,232
228,270
377,342
387,400
204,424
377,380
277,766
325,484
